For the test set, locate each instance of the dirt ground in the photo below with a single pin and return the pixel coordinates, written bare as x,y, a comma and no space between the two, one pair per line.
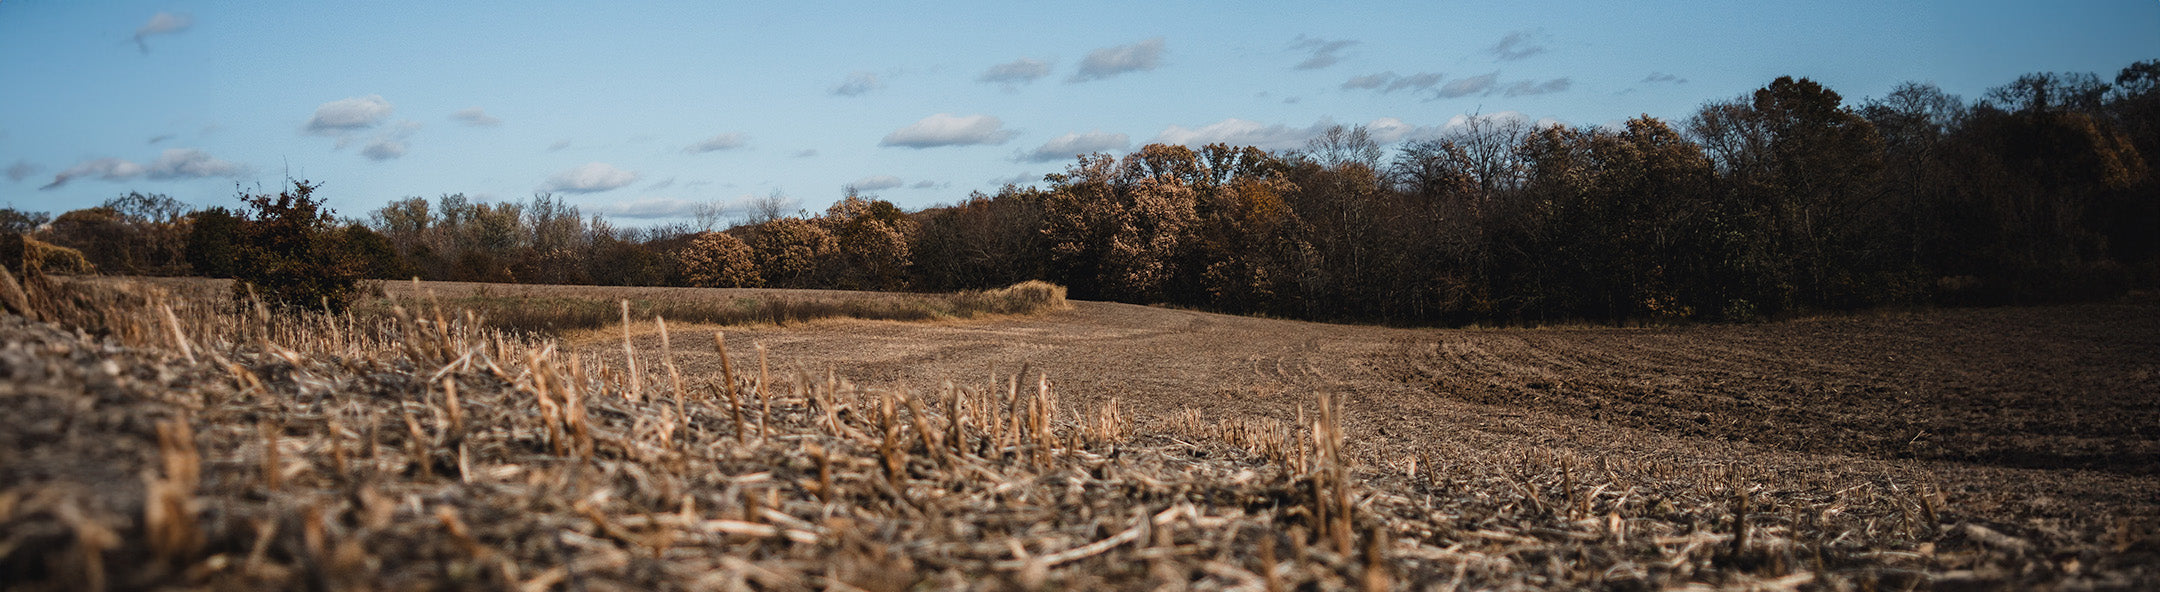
220,448
2047,416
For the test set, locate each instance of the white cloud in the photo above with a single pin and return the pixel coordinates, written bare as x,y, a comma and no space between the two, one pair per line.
163,23
651,207
1518,45
1389,130
1242,132
191,163
945,129
876,182
1015,73
928,184
174,163
1466,118
1074,144
726,141
1469,86
1320,53
1529,88
858,84
476,117
1111,61
22,169
591,177
347,115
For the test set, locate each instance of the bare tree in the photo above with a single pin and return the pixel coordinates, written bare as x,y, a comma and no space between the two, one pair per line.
1340,145
769,208
1735,136
709,215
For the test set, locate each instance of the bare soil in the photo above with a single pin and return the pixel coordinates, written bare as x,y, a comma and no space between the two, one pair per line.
2018,415
220,448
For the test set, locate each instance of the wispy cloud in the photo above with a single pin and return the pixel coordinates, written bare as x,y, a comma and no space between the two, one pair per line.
1319,53
726,141
1074,144
163,23
191,163
858,84
559,145
591,177
381,149
1464,87
1387,82
175,163
1015,73
476,117
108,168
1240,132
805,153
348,115
876,183
22,169
945,129
1661,77
1531,87
1518,45
391,143
1368,81
1112,61
160,138
928,184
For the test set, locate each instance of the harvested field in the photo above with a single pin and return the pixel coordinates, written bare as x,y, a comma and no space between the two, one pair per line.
1100,446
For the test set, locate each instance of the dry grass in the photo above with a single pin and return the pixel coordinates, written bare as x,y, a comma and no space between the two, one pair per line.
422,450
565,310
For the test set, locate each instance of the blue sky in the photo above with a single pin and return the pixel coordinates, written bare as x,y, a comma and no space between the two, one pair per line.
640,110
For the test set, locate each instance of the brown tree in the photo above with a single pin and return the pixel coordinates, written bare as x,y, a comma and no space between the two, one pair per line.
716,260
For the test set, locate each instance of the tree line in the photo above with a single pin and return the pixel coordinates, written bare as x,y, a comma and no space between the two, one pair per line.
1782,200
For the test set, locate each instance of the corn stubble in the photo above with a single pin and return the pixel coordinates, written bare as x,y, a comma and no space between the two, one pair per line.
201,445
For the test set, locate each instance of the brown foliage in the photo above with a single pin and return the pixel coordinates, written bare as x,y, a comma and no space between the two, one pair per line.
792,252
717,260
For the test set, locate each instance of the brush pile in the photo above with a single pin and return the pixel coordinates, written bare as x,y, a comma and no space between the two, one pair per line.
199,444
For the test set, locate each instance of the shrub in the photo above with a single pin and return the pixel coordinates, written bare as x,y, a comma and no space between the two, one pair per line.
211,243
290,252
372,251
793,252
27,257
716,260
1028,297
